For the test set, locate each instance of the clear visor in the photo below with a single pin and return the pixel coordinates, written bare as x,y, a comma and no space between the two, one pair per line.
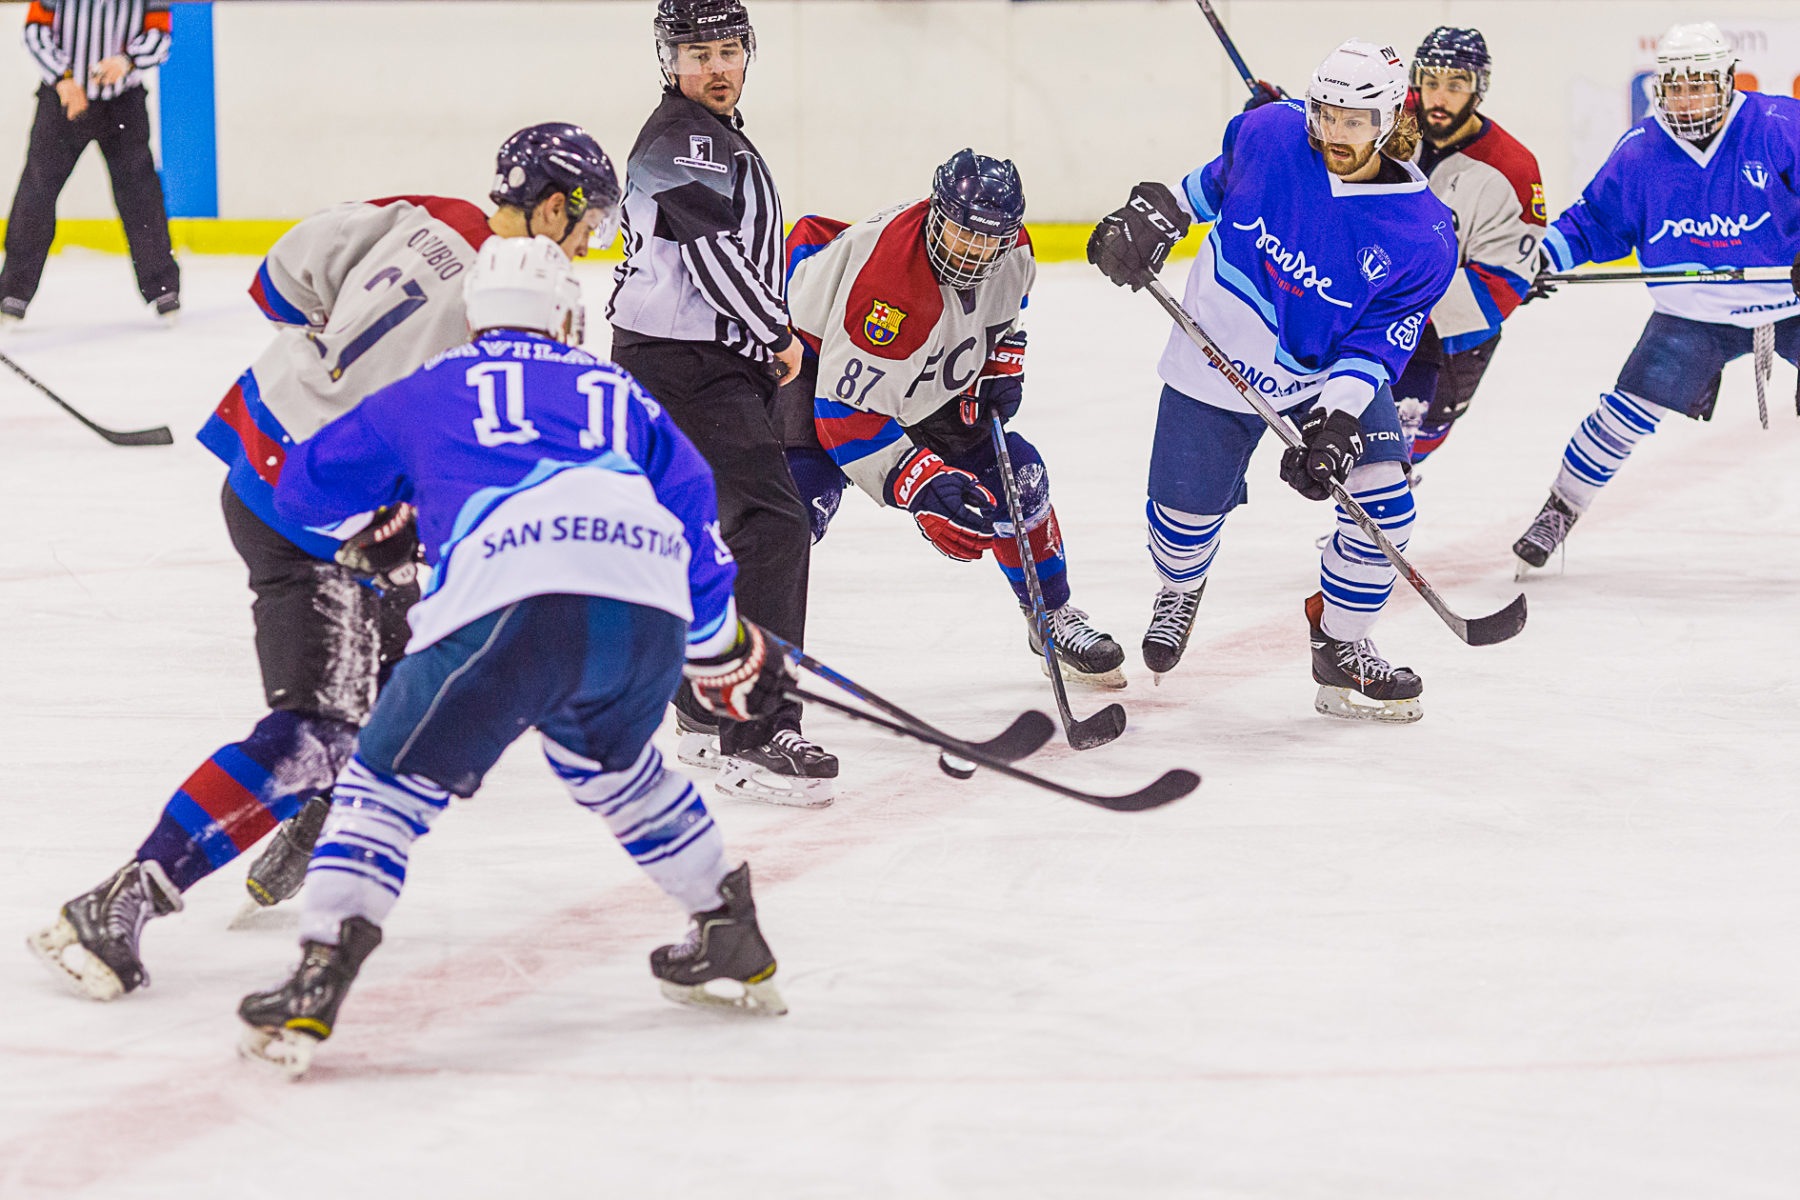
1693,103
602,225
1342,126
707,58
1452,80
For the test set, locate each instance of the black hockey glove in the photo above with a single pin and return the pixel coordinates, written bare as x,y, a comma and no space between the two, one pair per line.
1265,93
1542,285
744,683
1329,447
387,550
955,513
1001,387
1794,274
1131,245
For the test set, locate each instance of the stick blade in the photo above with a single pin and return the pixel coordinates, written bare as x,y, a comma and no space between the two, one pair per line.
1167,789
1496,627
1023,738
1099,729
160,436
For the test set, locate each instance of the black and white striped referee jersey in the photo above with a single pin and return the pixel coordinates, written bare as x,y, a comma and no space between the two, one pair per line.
703,236
70,37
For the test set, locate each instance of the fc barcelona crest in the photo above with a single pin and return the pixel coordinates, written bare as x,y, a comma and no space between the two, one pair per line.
882,325
1538,209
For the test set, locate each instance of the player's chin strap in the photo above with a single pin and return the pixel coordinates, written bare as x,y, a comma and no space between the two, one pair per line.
1482,631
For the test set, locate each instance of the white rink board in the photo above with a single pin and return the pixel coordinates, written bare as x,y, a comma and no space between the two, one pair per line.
1540,944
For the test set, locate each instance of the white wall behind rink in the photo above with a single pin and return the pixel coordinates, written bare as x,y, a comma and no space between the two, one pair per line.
853,101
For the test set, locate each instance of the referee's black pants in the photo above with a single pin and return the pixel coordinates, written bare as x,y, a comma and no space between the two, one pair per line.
721,401
122,128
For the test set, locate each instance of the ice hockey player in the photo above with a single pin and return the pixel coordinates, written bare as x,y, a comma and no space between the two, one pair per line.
1491,183
360,294
1711,178
699,319
574,543
912,324
1327,253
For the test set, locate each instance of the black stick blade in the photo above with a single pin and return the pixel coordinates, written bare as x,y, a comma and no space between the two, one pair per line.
1496,627
1172,786
1023,738
160,436
1099,729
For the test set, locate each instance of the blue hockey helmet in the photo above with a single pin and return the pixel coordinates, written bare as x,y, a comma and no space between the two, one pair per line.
977,210
558,157
683,22
1448,48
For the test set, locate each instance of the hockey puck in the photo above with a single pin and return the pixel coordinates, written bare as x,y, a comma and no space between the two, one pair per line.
956,768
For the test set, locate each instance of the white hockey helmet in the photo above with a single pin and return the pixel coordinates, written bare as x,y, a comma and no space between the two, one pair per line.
1689,58
1359,75
524,283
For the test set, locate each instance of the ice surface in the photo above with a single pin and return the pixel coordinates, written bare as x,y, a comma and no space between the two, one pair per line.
1540,944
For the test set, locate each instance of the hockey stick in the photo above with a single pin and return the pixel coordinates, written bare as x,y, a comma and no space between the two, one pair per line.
1109,722
1692,275
1171,785
1023,738
1482,631
160,436
1231,50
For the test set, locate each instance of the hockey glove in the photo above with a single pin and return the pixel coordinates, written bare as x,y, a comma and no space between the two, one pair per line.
1131,245
1329,447
1794,274
744,683
1541,284
955,513
387,549
1001,387
1265,93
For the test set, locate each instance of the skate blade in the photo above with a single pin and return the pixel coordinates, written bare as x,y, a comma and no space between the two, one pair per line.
59,949
1523,570
1350,705
287,1052
252,915
700,751
1112,681
754,1000
753,784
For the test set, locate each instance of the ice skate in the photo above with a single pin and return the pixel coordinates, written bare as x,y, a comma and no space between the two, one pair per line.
1171,621
1355,682
787,770
1087,655
723,944
1545,536
283,1027
697,743
93,944
280,870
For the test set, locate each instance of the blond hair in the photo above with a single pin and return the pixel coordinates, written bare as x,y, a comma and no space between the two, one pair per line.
1404,140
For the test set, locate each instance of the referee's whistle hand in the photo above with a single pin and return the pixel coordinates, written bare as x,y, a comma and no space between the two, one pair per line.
111,70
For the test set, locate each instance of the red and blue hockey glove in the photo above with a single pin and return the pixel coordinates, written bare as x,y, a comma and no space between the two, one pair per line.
954,512
1131,245
387,549
1001,386
1330,446
745,682
1264,93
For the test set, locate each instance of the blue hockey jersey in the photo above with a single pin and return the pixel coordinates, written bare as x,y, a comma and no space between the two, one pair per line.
1314,286
536,469
1734,204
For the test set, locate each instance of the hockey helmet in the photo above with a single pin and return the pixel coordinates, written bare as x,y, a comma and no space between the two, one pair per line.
1358,75
977,210
524,283
1696,73
559,157
682,22
1448,48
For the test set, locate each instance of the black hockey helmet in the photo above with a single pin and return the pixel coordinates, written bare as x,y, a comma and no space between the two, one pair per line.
1449,48
983,197
679,22
555,157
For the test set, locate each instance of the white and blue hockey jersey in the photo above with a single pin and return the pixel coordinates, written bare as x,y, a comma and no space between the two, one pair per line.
1734,204
537,469
1311,284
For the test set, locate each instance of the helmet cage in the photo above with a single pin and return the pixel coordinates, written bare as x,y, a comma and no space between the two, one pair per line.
962,256
1703,121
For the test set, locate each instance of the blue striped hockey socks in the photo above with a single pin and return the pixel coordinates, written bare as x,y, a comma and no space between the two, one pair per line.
1601,445
1182,545
1354,576
359,865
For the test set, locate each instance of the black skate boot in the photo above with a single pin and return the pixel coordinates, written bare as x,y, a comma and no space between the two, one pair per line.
283,1027
722,943
1355,682
93,944
787,770
280,869
1087,655
1171,621
1547,532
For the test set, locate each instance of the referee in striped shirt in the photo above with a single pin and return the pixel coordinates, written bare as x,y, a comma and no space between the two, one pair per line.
92,55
